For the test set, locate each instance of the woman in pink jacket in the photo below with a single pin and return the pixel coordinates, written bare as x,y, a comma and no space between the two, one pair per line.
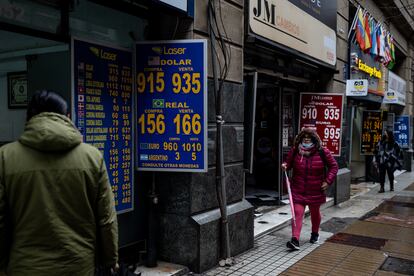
310,180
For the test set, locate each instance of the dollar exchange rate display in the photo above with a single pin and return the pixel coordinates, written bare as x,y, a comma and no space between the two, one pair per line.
323,112
171,84
103,111
371,131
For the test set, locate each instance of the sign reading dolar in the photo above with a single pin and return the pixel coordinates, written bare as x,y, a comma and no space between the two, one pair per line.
171,83
323,112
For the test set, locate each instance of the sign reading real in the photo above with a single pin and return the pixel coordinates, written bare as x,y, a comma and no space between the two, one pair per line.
103,111
172,105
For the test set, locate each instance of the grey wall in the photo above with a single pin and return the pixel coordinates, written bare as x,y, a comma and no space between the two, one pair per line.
189,209
11,120
49,71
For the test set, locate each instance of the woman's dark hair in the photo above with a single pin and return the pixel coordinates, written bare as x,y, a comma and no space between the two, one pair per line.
46,101
310,133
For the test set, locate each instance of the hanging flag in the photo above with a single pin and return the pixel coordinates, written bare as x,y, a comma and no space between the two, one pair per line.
374,47
392,52
378,36
392,48
367,37
359,30
382,43
387,49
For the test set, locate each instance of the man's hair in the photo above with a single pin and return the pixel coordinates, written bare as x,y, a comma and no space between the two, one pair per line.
390,135
46,101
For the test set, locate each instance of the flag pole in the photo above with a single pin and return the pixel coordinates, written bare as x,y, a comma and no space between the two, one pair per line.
353,22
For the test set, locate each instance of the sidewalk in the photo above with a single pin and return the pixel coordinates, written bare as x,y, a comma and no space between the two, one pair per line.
379,242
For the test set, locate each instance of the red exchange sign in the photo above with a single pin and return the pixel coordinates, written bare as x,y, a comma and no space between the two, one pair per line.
323,112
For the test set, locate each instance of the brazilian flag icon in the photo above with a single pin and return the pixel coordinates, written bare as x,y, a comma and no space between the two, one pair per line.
158,103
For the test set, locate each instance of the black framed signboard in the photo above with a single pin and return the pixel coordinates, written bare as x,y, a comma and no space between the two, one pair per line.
102,109
17,89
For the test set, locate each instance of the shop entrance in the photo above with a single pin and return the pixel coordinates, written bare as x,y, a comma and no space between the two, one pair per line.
274,131
27,64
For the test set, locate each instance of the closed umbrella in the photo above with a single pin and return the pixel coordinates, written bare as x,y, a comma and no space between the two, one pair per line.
292,209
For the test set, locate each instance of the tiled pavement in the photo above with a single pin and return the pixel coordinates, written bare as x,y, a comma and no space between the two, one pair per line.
390,227
268,257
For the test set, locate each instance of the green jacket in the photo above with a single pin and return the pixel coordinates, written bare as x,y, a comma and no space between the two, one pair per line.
57,214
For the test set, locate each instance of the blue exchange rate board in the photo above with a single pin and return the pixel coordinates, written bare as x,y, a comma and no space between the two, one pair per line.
171,84
103,111
402,130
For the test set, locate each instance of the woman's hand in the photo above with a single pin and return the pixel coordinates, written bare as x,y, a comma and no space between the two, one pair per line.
284,167
324,186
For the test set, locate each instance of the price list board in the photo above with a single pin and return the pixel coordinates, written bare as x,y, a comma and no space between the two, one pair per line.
103,103
323,112
371,131
402,130
171,84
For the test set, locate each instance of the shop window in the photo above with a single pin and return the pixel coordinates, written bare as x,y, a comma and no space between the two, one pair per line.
30,15
20,77
98,23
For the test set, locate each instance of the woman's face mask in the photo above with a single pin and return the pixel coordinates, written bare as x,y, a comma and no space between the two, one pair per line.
307,142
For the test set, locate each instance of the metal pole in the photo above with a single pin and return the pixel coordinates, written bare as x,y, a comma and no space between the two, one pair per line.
152,225
220,174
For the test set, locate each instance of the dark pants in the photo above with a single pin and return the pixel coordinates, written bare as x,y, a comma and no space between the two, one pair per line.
390,171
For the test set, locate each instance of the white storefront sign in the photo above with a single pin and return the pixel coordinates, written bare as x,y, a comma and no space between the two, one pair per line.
285,23
396,91
357,87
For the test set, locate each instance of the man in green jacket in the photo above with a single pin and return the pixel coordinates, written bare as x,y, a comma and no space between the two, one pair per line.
57,214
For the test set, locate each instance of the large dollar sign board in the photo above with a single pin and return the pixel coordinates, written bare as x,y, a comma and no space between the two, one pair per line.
323,112
171,84
371,131
102,83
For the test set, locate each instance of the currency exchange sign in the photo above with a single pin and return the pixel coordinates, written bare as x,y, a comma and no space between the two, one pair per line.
171,84
323,112
371,131
402,130
102,111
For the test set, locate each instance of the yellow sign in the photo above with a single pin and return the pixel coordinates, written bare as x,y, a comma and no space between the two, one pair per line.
372,71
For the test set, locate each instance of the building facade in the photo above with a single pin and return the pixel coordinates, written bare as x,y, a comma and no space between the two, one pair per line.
264,55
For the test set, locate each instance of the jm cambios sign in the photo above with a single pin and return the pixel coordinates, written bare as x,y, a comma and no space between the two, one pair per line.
306,26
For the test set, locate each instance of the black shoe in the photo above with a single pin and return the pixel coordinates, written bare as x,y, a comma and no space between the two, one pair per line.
314,237
293,244
381,191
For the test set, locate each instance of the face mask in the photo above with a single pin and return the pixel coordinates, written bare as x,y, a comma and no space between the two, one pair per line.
307,145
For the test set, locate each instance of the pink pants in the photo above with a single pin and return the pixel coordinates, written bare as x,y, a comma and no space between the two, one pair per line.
315,214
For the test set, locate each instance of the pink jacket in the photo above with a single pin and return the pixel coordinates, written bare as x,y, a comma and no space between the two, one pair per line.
308,175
